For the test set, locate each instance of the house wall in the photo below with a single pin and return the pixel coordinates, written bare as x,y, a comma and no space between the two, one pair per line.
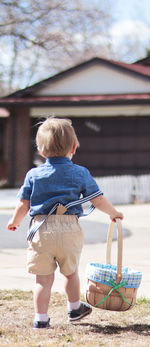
4,157
109,145
18,149
112,145
23,144
114,139
90,111
98,79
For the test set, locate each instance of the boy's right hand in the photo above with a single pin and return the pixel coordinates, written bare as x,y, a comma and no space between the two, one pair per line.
20,211
11,225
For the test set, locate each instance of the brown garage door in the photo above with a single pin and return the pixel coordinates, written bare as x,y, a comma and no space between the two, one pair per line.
113,145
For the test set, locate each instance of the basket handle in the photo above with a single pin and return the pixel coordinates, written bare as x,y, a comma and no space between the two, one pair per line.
120,247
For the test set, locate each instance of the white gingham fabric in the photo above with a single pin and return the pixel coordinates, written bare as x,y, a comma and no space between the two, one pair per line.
103,273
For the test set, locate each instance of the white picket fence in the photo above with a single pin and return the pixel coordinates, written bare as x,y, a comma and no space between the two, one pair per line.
125,189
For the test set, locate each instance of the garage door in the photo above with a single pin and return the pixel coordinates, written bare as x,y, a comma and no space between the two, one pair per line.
113,145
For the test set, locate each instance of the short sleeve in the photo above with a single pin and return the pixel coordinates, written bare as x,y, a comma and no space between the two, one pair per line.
90,185
26,189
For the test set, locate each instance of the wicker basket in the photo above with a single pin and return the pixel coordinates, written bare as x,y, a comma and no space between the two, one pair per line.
112,287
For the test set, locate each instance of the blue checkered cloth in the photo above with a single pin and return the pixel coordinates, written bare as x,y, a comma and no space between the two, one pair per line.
103,273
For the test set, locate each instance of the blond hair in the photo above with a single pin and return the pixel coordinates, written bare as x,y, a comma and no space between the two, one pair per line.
56,137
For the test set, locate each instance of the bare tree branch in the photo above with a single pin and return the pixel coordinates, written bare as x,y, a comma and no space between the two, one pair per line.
57,33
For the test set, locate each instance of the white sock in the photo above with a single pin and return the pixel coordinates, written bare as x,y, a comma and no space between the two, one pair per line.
41,317
73,305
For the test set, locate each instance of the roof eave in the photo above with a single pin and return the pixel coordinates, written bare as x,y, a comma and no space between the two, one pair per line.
128,68
81,103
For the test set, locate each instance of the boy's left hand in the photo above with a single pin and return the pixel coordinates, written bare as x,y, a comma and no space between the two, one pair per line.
116,215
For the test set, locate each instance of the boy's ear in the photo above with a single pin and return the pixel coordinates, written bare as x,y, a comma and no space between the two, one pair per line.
42,155
74,149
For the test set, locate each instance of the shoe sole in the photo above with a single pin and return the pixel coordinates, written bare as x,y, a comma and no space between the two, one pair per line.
80,317
41,328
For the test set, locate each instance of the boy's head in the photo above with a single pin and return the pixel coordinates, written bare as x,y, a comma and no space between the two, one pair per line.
56,137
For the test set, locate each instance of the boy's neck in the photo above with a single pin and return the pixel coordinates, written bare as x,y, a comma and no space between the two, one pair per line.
69,155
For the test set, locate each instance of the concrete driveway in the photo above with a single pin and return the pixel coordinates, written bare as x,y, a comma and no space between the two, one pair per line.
136,254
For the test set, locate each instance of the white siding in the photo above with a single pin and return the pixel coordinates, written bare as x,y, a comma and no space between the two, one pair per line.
90,111
97,79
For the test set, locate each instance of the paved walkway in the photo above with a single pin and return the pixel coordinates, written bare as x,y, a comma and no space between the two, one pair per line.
136,248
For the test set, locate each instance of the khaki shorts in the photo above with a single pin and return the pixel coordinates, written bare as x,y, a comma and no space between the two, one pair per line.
58,242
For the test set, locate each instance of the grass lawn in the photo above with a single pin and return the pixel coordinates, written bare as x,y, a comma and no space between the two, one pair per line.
101,328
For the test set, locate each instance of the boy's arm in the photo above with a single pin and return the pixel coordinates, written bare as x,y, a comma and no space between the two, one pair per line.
105,206
21,210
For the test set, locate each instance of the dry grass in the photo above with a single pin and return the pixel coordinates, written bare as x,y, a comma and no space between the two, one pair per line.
101,328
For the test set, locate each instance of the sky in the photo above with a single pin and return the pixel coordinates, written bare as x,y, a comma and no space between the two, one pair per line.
129,32
131,23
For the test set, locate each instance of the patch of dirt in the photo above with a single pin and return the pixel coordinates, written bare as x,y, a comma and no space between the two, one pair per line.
101,328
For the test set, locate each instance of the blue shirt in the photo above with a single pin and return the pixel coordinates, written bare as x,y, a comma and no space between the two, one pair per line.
58,180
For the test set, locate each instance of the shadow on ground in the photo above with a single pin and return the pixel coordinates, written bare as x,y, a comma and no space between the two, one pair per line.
140,329
95,232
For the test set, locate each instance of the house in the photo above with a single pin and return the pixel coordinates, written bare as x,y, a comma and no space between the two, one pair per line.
109,104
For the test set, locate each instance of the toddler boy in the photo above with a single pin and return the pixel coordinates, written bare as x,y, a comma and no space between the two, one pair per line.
59,240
